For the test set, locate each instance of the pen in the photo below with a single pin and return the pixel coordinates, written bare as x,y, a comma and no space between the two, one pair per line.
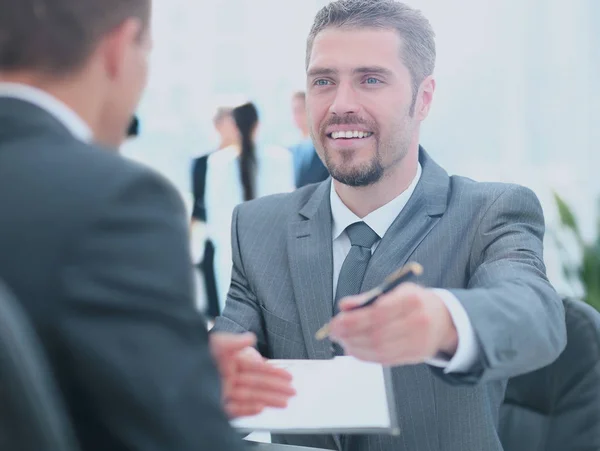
402,275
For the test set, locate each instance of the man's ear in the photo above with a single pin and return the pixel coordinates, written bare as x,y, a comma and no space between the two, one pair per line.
425,98
117,44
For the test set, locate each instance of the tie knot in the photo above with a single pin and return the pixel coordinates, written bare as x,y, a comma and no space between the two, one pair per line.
362,235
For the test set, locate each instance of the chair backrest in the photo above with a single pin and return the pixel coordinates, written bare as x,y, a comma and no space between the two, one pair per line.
32,416
557,408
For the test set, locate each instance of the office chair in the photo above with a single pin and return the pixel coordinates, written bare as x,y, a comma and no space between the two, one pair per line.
557,408
32,417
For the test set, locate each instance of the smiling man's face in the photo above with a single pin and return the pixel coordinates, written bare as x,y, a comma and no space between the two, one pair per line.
359,102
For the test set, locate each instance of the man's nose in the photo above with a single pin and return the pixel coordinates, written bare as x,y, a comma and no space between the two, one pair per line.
345,101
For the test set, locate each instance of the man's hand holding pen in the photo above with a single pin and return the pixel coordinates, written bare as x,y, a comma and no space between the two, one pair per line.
408,325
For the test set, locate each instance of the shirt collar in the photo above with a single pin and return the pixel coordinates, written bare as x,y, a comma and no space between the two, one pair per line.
78,128
379,220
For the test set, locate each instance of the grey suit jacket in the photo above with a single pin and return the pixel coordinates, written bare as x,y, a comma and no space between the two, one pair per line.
481,241
95,248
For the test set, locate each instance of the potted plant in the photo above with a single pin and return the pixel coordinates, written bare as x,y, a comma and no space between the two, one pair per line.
584,269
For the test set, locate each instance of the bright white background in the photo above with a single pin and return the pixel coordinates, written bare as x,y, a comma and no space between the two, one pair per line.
517,98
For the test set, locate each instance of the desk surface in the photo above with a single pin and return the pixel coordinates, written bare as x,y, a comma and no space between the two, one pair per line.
256,446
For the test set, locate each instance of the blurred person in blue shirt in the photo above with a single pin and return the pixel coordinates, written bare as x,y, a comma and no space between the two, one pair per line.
308,167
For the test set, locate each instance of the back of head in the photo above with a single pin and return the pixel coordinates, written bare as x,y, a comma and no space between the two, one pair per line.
225,127
50,43
222,113
246,118
418,52
246,121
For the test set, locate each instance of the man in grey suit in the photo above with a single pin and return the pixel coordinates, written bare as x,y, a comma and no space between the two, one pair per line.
96,247
484,310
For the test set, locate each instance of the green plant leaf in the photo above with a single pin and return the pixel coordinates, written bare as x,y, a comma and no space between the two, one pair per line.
567,218
590,275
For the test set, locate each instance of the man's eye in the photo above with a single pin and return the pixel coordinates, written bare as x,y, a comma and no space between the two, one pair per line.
321,82
372,81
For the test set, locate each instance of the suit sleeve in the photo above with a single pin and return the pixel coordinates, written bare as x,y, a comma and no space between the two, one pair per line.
242,311
518,318
136,348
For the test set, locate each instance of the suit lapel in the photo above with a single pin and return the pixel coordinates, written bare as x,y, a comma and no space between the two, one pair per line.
413,224
311,265
310,253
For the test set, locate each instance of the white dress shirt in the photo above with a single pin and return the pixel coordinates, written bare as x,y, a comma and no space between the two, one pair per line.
380,221
51,105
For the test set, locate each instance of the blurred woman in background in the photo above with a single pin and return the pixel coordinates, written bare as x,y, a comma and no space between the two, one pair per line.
241,172
203,249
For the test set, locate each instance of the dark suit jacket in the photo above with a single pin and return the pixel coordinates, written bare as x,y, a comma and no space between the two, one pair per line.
96,249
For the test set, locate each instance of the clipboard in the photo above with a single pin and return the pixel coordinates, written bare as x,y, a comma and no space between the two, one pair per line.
342,395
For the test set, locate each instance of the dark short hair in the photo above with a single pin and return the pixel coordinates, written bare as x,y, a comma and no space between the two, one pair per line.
418,50
58,36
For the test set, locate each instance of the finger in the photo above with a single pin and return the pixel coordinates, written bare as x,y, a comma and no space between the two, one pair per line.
404,298
250,353
264,368
259,385
351,323
389,307
265,382
379,339
351,302
402,348
227,343
253,396
365,321
366,355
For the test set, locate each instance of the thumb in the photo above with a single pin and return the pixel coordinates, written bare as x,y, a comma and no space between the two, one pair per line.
351,302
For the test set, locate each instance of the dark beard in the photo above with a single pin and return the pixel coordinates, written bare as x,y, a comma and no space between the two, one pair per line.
363,176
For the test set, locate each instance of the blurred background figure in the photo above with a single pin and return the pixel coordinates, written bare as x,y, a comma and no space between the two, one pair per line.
240,172
308,167
203,249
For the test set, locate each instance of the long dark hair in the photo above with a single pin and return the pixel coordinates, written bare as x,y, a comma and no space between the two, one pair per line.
246,119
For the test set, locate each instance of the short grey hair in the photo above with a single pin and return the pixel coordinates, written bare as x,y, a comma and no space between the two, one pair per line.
415,30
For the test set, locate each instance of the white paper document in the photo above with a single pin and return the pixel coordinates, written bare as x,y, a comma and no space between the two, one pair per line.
338,395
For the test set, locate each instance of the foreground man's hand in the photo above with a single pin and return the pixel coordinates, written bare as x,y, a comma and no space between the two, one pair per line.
407,326
250,383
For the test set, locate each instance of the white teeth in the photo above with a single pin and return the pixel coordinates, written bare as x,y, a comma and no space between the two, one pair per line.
350,134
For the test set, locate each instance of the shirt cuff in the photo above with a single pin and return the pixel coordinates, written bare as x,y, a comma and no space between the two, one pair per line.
467,351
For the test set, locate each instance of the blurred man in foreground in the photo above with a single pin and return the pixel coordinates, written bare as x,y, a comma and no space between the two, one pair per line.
96,247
